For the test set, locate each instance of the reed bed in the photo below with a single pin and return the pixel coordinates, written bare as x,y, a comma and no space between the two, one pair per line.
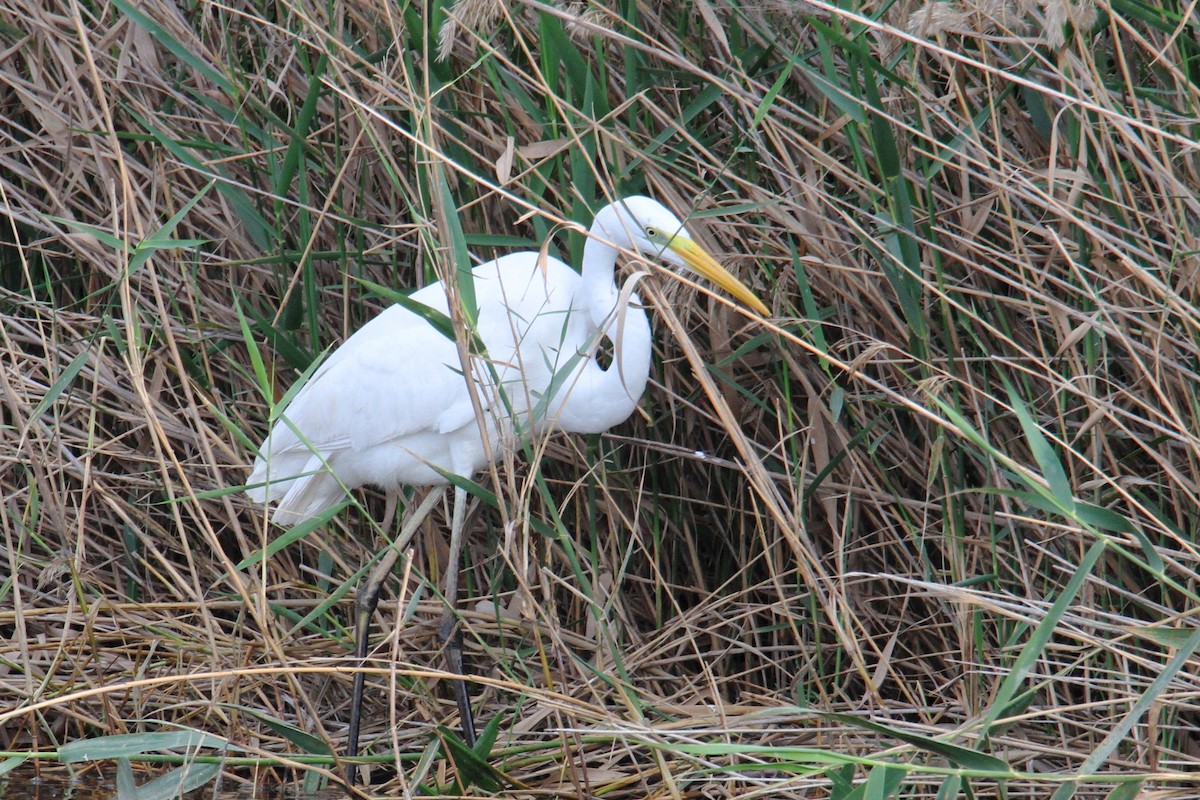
927,531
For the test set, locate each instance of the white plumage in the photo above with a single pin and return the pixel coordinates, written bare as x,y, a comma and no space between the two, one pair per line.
391,403
392,407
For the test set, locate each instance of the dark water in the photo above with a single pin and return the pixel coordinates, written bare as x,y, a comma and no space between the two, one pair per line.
55,782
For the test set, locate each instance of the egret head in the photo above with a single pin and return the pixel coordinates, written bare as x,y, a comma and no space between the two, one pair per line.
649,227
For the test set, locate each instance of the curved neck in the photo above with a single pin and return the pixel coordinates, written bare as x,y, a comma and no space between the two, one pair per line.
594,398
599,280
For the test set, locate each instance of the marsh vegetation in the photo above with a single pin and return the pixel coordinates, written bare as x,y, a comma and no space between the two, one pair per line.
928,530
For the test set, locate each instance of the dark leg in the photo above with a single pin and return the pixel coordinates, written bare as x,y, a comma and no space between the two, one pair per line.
448,629
368,601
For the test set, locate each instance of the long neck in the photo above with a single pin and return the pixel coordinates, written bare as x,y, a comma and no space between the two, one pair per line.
600,398
600,293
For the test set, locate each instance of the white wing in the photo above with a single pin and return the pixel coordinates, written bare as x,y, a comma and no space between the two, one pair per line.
391,403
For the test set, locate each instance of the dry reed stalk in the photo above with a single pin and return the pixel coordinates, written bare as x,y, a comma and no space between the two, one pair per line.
1059,263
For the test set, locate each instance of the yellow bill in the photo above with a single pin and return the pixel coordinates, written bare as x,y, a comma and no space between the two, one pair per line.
707,267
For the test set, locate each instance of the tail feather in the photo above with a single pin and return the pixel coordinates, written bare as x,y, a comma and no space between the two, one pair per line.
273,474
300,482
310,495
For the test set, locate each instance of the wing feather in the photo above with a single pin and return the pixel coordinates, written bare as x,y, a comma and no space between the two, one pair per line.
392,401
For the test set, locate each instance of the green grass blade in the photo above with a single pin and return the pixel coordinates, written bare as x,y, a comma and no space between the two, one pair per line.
104,748
957,755
1008,690
1047,460
65,380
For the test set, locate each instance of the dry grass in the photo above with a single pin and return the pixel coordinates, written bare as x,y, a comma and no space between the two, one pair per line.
939,513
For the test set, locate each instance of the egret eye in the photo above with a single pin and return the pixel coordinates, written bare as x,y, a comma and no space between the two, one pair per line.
652,234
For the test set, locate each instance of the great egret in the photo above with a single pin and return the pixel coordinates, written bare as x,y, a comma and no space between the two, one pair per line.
392,407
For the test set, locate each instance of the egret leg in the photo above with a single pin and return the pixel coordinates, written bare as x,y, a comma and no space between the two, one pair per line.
365,605
448,629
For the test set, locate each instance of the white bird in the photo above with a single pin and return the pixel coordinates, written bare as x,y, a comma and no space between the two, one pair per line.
392,407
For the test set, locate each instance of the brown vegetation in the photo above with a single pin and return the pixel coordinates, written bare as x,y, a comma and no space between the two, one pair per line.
950,488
